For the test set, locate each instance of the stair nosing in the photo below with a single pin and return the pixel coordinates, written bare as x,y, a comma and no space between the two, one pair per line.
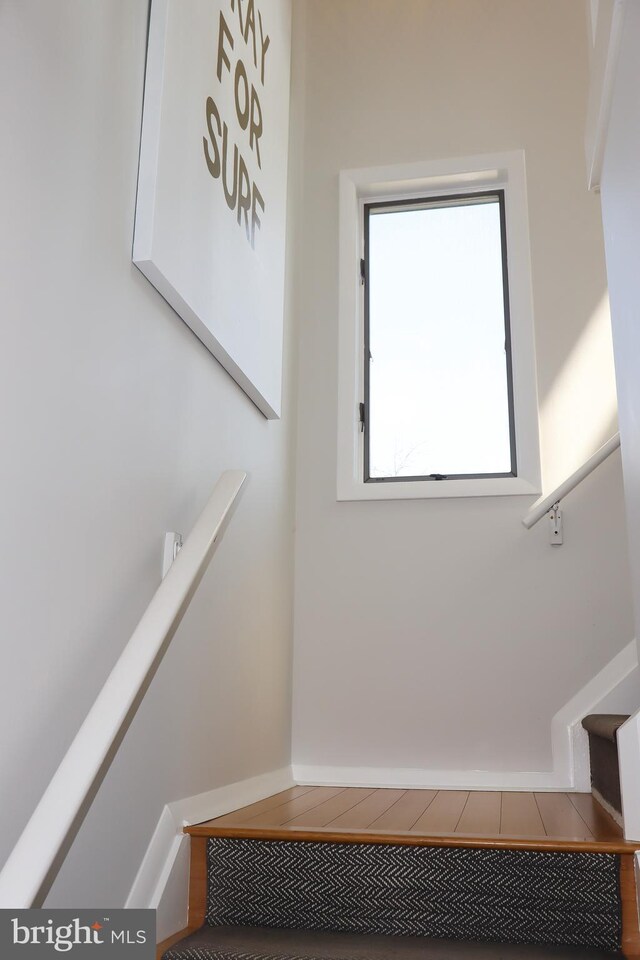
327,835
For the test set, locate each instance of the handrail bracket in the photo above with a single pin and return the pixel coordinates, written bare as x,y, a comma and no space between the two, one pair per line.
555,525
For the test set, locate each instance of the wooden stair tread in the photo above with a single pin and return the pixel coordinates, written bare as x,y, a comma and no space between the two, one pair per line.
519,821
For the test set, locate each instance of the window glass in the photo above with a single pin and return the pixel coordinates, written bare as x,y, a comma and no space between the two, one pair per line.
438,397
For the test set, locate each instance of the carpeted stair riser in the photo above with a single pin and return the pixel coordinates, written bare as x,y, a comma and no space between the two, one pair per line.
445,892
605,771
603,755
264,943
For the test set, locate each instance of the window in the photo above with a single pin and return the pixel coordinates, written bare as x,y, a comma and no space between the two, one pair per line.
438,397
437,386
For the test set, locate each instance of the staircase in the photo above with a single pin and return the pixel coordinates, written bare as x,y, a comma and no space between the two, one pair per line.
602,729
269,885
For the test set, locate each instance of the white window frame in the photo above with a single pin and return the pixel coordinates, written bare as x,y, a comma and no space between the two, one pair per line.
504,171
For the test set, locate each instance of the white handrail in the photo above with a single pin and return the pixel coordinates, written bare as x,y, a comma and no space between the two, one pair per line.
540,507
34,854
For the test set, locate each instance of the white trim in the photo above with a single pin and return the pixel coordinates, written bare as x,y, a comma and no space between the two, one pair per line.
171,896
604,61
404,778
222,800
160,848
629,759
184,310
161,882
150,137
570,752
504,170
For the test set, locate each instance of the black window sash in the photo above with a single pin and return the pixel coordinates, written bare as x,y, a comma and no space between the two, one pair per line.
458,199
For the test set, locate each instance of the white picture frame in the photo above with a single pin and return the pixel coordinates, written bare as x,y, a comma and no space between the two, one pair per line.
212,183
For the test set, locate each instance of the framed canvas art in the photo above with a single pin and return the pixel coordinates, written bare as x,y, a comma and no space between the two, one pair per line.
212,183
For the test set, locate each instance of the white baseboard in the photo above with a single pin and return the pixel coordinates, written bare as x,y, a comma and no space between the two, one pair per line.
215,803
411,779
162,880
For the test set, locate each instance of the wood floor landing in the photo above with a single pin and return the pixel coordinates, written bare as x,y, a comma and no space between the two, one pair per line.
528,821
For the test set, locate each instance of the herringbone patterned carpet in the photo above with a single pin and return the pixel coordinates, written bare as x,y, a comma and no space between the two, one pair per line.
262,943
445,892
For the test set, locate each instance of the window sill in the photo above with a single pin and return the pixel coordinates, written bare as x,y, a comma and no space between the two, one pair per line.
352,489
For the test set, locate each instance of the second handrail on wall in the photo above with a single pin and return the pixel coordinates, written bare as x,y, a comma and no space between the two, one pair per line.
544,504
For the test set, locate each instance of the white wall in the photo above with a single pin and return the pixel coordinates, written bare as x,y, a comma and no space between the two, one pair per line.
116,423
440,635
624,698
621,218
620,190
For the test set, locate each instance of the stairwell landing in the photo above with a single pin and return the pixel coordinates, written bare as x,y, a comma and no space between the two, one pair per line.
350,873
